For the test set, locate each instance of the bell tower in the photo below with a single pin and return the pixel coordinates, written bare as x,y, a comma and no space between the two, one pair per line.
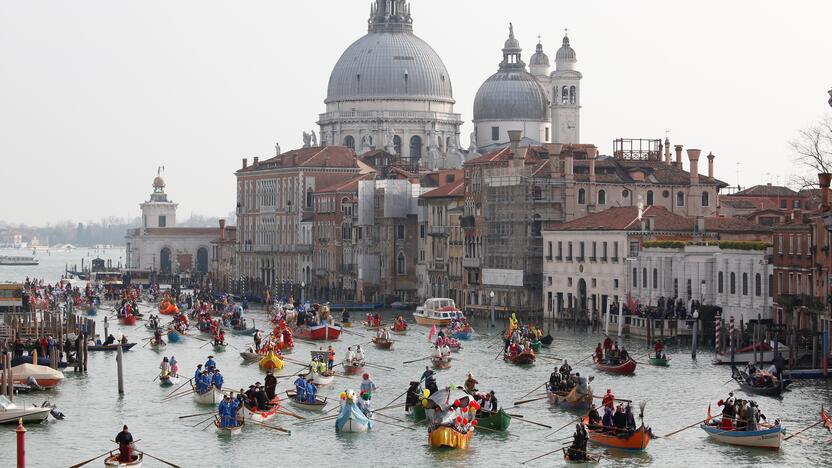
158,212
566,96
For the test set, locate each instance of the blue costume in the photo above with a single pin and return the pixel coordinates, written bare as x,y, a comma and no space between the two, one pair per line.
300,388
217,380
197,373
311,390
210,364
223,410
202,383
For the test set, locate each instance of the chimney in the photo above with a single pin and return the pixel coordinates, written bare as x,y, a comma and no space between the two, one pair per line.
592,154
711,165
678,162
256,161
222,230
693,156
514,137
824,178
245,163
667,151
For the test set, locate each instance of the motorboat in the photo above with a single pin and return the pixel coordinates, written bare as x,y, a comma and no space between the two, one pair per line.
11,413
437,311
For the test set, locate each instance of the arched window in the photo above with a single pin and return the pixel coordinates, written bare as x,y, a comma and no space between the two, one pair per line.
649,198
680,199
349,142
397,144
644,278
581,196
733,289
537,193
416,147
721,283
745,284
655,278
706,199
635,277
564,95
758,285
602,197
400,265
573,95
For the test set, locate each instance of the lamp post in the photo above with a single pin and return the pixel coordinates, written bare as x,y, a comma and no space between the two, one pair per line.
695,334
492,307
302,287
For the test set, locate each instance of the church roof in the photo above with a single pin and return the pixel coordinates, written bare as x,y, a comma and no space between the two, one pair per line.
767,191
318,156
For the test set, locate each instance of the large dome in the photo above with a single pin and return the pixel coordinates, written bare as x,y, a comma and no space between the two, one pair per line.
511,95
390,65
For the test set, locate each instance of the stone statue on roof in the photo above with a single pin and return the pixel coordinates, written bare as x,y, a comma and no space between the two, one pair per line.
389,144
276,148
366,143
314,138
472,147
307,140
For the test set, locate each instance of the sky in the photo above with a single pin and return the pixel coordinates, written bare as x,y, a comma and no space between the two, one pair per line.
95,94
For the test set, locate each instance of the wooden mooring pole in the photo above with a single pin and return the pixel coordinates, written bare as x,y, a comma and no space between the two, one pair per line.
120,362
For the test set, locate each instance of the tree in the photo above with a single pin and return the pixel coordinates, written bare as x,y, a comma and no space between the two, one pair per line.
813,152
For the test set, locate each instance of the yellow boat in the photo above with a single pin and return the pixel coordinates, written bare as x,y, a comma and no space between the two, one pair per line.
271,361
444,436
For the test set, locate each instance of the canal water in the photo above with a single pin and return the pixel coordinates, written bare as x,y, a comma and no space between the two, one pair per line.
676,396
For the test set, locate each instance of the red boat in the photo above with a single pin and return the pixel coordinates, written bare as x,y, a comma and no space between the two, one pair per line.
625,368
523,359
128,320
317,333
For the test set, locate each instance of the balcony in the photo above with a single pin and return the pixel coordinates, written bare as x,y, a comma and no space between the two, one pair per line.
548,258
568,258
559,258
438,265
347,269
471,262
801,300
580,259
593,259
438,231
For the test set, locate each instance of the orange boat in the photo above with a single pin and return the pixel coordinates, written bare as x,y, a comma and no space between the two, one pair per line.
168,308
638,440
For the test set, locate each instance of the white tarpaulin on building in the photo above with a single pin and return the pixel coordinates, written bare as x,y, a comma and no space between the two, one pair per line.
498,277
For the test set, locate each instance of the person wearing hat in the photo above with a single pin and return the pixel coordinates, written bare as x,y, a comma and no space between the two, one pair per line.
271,385
429,377
250,395
471,383
210,364
368,386
217,379
202,382
225,412
260,397
124,439
300,389
311,392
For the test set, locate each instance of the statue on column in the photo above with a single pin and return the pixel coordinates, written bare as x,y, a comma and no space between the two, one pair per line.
366,143
434,157
454,156
389,144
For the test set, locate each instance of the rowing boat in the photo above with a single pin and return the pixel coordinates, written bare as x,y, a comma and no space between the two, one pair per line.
571,400
590,459
526,358
112,460
772,390
230,430
498,421
663,362
353,369
317,406
168,380
251,357
271,361
547,340
219,348
127,320
382,343
111,347
174,336
441,362
243,331
212,396
351,418
765,438
158,346
317,332
635,440
625,368
257,415
320,380
445,436
370,326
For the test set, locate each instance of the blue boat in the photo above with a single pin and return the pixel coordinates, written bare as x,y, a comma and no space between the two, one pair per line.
351,418
765,438
463,335
92,312
174,336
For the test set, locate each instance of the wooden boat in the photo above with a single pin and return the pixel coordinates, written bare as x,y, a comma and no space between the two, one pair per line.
399,332
659,361
157,346
167,308
251,357
321,380
437,311
444,436
318,332
547,340
751,353
243,331
219,348
382,343
624,368
271,361
111,347
590,458
526,358
637,440
441,362
231,430
212,396
317,406
370,326
764,438
127,320
771,390
153,328
418,412
498,421
168,380
570,400
261,416
112,460
536,345
353,369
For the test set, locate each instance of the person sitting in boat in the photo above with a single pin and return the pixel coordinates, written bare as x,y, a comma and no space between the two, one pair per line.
260,399
577,451
594,418
385,334
367,386
471,383
124,439
492,405
165,367
203,382
359,355
630,418
607,346
565,369
300,389
623,355
609,399
217,379
249,395
413,396
607,420
446,351
110,340
619,419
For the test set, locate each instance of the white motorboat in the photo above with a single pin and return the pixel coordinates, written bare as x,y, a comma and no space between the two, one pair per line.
11,413
437,311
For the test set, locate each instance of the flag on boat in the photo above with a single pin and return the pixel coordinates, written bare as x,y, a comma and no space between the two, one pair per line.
432,332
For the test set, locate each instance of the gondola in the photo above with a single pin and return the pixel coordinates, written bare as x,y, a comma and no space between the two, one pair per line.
111,347
547,340
382,343
498,421
773,390
625,368
570,400
319,404
662,362
441,362
590,458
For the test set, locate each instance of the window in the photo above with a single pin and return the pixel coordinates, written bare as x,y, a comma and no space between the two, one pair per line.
564,95
549,250
602,197
644,277
397,145
615,284
400,265
163,221
573,95
625,193
421,231
649,198
796,204
781,288
783,204
537,225
400,231
634,248
745,284
349,142
655,278
615,251
635,277
415,148
569,251
594,283
780,244
604,252
721,283
309,198
594,251
547,135
495,133
733,283
569,281
680,199
581,251
581,196
706,199
560,250
758,285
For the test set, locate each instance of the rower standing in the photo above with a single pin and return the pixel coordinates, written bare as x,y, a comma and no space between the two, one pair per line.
124,439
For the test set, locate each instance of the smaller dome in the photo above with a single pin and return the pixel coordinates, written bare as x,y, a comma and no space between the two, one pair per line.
566,53
539,57
511,43
158,183
511,95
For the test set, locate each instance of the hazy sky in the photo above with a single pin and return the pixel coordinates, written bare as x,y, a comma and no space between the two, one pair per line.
95,94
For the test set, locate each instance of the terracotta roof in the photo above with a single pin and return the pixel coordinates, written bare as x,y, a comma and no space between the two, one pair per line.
350,185
529,153
768,191
731,224
738,204
454,189
746,202
612,170
326,156
625,218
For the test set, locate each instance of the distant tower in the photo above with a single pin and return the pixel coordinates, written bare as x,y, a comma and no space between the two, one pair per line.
158,212
566,96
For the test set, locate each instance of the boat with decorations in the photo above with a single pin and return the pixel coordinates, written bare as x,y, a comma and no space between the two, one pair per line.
627,367
352,418
437,311
167,307
571,400
262,415
271,361
526,358
317,332
455,422
399,326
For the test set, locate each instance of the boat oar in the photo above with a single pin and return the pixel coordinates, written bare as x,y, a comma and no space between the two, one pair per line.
206,344
416,360
159,459
580,419
478,428
394,424
560,449
584,359
180,395
692,425
395,399
804,430
195,415
276,428
289,413
204,420
521,419
394,419
533,390
91,460
522,402
617,399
